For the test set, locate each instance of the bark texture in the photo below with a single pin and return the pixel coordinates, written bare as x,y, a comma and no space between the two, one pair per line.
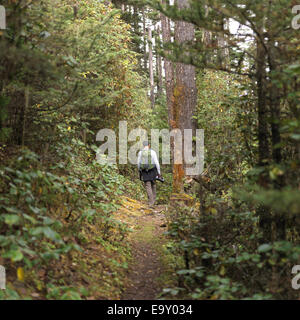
151,74
168,65
184,93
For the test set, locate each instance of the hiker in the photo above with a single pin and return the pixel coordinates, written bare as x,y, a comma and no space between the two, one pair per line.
149,169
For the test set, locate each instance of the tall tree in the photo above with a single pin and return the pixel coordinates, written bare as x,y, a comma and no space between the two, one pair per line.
144,38
263,144
168,65
159,68
185,94
151,73
222,46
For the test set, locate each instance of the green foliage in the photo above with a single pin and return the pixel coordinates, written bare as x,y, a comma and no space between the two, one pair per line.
224,260
226,254
226,113
65,74
4,132
65,293
40,208
83,67
27,232
55,198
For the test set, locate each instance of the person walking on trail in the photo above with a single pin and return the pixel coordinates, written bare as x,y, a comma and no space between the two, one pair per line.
149,169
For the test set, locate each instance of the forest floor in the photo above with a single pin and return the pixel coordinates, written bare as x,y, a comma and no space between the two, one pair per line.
149,267
138,267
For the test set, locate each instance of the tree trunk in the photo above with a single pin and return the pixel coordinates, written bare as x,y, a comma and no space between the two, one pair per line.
265,222
185,94
75,10
168,66
207,40
169,74
263,144
223,52
151,74
144,39
274,101
159,69
26,95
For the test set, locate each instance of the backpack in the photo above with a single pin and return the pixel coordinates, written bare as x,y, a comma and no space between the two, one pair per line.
146,160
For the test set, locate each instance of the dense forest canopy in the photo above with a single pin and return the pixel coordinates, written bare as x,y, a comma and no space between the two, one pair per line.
70,68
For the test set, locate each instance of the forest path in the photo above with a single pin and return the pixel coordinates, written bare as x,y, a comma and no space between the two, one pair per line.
146,243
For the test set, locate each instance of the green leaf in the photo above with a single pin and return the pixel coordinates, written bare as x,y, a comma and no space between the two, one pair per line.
11,219
51,234
295,136
48,233
14,254
71,295
31,219
36,231
264,247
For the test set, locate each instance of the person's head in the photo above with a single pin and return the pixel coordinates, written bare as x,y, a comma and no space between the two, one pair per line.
146,144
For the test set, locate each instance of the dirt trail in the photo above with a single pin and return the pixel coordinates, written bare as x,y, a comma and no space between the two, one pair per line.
146,243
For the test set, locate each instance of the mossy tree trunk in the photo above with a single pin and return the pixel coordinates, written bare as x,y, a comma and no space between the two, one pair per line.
184,94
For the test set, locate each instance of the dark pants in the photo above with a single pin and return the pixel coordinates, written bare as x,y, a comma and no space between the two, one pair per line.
149,178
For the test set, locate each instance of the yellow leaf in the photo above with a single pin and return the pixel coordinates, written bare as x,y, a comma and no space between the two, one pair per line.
213,211
39,286
20,274
69,128
196,252
222,271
